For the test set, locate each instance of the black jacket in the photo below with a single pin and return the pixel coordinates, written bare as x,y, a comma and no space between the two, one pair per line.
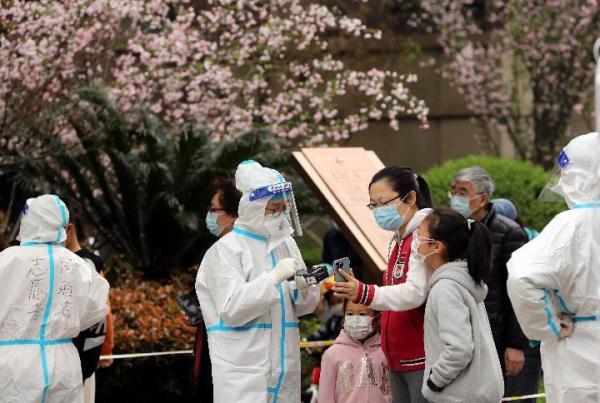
89,342
507,236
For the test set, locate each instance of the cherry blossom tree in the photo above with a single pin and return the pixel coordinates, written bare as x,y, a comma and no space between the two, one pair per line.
230,65
524,67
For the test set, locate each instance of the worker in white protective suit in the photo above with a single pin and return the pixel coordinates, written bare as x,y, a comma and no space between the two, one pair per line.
554,280
48,295
251,298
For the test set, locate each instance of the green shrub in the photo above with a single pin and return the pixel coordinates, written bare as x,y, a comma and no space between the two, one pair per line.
518,181
147,317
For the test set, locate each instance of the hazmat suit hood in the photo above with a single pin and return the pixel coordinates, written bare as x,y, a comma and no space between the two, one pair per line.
250,176
44,220
579,181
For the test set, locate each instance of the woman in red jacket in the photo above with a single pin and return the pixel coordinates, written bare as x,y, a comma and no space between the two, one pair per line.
399,201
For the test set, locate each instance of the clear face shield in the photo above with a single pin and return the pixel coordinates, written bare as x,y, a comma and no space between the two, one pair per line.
281,212
552,192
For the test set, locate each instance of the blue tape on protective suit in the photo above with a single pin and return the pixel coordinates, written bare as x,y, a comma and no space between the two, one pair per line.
277,388
63,214
562,303
249,234
45,324
35,342
549,314
591,318
588,205
37,243
565,308
222,328
63,211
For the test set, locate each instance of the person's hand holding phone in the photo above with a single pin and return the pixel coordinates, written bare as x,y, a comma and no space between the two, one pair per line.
344,264
347,289
185,318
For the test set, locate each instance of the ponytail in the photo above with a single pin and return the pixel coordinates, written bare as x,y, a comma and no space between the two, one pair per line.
464,240
403,181
423,193
479,250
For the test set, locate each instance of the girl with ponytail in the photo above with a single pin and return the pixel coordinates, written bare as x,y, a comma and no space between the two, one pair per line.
400,200
462,363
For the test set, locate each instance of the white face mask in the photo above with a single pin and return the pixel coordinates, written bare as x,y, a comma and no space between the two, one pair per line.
278,226
358,327
414,250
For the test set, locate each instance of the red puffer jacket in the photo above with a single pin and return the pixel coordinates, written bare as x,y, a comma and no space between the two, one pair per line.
402,332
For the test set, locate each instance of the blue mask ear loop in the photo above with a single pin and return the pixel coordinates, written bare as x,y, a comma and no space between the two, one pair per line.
408,209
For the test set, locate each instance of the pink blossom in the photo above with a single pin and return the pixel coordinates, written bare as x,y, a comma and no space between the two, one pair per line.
527,73
230,66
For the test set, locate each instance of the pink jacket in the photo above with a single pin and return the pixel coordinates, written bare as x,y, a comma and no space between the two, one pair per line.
351,372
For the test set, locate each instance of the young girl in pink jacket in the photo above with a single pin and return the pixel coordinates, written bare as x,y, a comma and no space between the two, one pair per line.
354,369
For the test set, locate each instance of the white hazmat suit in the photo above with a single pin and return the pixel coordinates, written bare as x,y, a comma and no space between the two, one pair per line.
558,273
48,296
251,311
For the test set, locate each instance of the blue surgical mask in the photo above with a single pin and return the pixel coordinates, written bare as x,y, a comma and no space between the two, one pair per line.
387,217
461,205
212,225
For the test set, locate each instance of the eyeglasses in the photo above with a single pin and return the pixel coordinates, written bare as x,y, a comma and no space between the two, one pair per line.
424,239
452,193
373,206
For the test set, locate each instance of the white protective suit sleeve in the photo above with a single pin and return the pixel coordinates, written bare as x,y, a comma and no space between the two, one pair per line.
94,296
403,297
305,301
535,270
237,301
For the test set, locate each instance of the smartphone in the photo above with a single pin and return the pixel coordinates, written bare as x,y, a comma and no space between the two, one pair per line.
344,264
190,305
